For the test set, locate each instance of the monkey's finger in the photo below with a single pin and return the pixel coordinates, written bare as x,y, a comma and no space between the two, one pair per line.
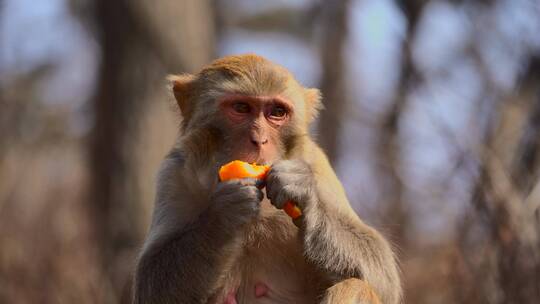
283,196
291,166
254,192
272,189
248,181
260,195
245,194
260,183
275,179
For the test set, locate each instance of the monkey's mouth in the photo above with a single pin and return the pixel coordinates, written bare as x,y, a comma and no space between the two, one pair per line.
254,157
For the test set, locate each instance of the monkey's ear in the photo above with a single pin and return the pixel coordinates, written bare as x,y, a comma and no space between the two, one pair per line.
182,86
313,103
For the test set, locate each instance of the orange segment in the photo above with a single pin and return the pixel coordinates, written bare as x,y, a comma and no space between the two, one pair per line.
292,210
239,169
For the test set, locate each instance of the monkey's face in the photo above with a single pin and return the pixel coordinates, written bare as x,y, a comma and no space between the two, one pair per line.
254,126
253,110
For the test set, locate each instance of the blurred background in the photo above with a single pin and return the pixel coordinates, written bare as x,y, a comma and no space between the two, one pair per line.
432,122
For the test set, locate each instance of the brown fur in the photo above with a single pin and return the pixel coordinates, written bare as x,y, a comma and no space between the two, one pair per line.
351,291
204,243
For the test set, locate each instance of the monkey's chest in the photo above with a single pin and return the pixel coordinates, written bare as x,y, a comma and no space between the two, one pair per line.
272,268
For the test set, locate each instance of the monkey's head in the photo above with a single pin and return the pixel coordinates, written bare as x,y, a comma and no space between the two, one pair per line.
253,109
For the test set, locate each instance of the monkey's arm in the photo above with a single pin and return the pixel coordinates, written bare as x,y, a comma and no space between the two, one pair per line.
335,239
184,258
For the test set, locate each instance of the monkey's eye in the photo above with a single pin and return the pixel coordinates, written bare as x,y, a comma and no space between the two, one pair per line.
241,107
278,111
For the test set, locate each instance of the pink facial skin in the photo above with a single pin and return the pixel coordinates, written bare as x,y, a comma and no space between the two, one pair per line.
242,109
254,125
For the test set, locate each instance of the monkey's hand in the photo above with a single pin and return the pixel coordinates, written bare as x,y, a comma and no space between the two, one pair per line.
237,200
290,180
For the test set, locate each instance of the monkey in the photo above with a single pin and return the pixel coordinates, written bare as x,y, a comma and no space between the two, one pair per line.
229,242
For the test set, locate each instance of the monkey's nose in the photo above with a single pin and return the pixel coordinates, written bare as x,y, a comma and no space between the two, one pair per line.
259,142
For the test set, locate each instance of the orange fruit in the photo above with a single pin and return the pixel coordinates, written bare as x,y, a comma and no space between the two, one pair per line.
292,210
239,169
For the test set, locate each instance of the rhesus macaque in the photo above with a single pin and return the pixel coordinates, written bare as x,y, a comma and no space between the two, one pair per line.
225,242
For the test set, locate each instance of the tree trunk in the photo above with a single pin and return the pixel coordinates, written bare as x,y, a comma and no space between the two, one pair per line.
334,24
